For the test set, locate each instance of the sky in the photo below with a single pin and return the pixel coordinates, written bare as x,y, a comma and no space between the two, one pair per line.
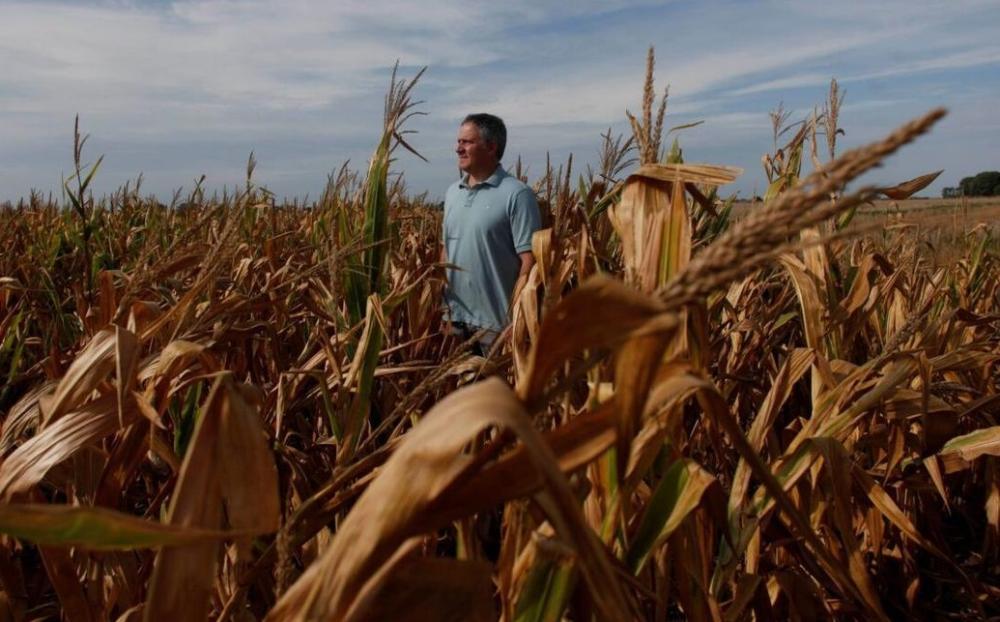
179,89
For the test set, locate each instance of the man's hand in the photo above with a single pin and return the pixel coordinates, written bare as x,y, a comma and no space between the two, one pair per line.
527,261
446,326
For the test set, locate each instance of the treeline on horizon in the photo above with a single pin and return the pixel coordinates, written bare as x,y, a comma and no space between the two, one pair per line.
984,184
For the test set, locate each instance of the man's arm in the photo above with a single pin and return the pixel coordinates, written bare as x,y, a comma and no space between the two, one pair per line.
527,260
446,327
525,220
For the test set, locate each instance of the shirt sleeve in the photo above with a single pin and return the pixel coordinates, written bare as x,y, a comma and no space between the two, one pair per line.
525,219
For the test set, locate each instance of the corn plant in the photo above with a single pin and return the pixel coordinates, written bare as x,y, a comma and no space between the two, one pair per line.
699,413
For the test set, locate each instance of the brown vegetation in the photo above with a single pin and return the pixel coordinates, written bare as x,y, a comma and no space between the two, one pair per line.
243,410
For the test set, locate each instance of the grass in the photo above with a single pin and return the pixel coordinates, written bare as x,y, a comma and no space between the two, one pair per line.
247,410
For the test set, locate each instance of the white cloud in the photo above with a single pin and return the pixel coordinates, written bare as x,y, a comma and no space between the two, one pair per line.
958,60
193,85
783,84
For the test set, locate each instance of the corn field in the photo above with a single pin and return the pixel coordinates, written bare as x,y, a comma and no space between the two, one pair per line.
229,408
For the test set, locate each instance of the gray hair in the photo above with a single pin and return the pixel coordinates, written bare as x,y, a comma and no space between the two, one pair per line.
491,129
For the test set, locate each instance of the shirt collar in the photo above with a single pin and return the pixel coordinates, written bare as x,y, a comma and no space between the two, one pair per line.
493,180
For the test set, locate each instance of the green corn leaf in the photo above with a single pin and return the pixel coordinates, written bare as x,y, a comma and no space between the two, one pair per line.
546,592
676,496
96,528
90,175
363,375
187,417
675,155
375,238
684,126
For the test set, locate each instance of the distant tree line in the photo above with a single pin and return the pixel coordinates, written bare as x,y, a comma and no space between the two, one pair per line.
985,184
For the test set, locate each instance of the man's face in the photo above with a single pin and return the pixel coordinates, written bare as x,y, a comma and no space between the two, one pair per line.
474,154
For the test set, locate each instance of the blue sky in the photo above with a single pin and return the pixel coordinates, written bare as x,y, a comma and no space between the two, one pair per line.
179,89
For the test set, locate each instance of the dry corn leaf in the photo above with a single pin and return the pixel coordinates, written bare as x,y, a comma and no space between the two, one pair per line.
635,369
126,361
411,492
905,190
814,313
73,597
968,447
422,588
23,416
838,470
29,463
228,475
602,313
94,364
175,356
704,174
795,366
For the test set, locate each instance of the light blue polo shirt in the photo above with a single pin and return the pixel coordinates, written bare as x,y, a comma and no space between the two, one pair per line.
485,227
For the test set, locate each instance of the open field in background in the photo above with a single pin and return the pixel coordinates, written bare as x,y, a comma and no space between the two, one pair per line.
944,224
974,209
245,410
951,215
973,204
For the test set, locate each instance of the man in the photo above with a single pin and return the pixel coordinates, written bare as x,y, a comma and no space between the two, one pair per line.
489,218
